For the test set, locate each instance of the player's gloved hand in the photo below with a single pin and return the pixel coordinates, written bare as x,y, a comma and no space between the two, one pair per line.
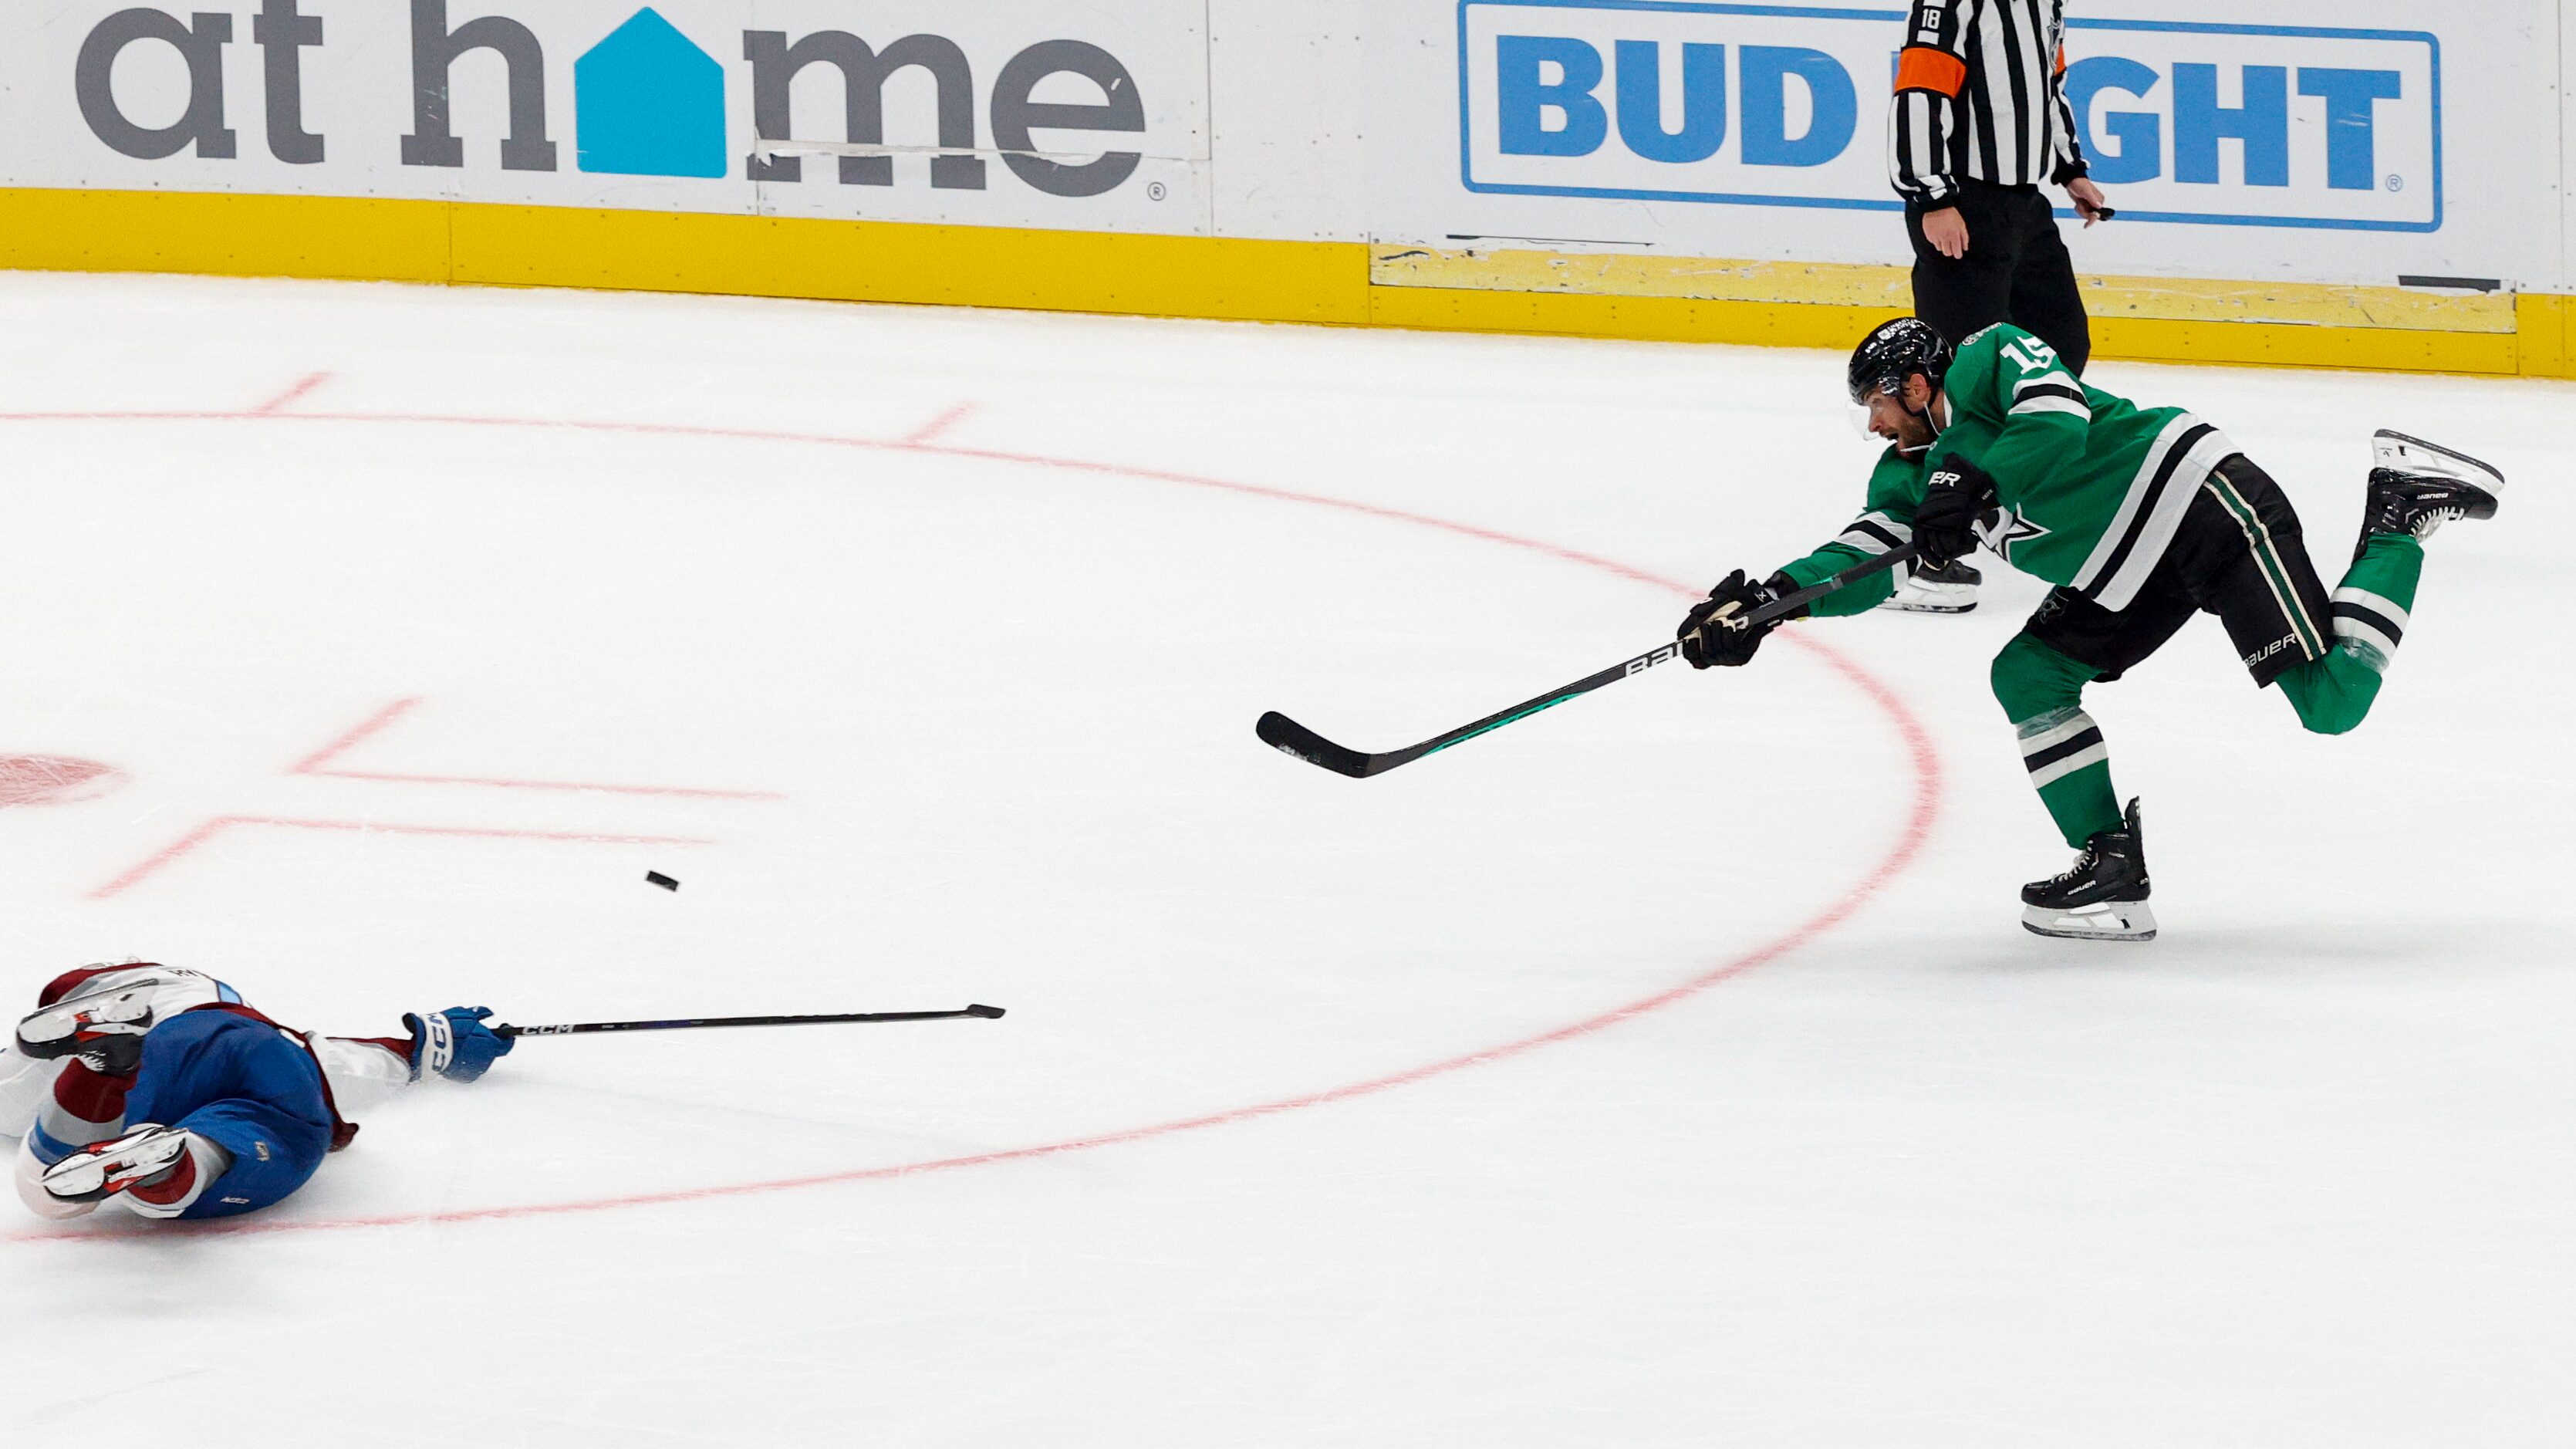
454,1043
1945,526
1714,632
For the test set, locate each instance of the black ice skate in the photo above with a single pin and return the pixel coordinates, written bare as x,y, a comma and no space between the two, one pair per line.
1948,590
2417,486
143,1156
2103,897
104,1029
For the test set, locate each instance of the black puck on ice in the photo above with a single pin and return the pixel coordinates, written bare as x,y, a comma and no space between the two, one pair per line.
655,877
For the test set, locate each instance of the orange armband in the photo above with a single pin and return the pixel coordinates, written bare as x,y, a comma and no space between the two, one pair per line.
1924,68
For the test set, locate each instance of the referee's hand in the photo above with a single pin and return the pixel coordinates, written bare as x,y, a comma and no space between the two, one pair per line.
1947,231
2090,203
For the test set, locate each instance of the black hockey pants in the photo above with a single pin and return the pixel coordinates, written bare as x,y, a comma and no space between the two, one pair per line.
2016,271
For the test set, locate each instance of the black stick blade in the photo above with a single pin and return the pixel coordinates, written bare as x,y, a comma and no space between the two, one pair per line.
988,1012
1281,733
1287,736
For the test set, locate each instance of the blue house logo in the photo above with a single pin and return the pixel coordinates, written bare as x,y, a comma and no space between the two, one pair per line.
648,102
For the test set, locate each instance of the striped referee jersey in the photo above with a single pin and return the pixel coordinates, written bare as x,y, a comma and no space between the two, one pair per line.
1980,95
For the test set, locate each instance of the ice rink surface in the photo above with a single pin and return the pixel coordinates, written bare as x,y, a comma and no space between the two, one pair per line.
1668,1069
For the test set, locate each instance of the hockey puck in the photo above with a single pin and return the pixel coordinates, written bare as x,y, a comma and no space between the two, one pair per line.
655,877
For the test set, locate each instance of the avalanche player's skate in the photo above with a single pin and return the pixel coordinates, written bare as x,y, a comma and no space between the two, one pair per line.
141,1157
2102,897
1951,589
103,1028
2416,486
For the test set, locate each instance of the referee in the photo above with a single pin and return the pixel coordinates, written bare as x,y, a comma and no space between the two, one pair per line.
1979,120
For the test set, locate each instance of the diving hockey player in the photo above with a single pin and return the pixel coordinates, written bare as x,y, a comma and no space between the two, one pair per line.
162,1090
2140,517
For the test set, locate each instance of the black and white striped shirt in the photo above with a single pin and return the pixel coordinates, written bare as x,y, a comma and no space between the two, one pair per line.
1980,96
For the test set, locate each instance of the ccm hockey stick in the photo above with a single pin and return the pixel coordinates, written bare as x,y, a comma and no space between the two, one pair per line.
580,1027
1289,737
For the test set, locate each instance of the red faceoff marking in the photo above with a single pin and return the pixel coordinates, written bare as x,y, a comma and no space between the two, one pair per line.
54,780
1901,852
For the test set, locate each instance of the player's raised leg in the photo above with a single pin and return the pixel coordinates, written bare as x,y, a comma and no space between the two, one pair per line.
2415,488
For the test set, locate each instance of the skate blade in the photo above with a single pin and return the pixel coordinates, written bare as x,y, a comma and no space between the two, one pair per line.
76,1180
2107,921
1922,596
2390,449
89,1176
59,1030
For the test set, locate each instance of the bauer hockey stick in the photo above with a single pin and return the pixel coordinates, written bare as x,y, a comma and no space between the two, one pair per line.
1289,737
577,1028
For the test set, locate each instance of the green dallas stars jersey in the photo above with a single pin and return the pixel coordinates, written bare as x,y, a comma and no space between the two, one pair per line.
2092,486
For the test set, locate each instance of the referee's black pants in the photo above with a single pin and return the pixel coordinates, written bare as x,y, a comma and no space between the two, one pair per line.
2016,271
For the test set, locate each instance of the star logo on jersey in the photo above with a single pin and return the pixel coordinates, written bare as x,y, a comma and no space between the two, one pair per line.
2002,528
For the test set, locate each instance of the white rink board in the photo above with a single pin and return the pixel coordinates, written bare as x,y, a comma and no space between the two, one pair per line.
1327,120
966,592
2257,141
362,93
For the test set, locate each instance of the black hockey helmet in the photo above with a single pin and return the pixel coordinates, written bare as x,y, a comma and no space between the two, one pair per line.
1893,352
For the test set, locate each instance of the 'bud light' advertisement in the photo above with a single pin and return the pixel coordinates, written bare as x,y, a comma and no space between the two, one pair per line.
2236,140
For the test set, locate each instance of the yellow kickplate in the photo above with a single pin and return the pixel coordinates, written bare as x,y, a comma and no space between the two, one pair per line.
2405,309
1625,274
1580,294
2167,299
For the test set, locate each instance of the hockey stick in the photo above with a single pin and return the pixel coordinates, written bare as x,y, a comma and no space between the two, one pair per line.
1289,737
580,1027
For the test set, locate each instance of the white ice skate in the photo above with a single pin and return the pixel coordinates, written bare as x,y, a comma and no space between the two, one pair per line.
104,1027
104,1169
2101,921
1950,590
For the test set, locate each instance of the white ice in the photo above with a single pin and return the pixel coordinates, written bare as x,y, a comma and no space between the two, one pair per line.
1874,1167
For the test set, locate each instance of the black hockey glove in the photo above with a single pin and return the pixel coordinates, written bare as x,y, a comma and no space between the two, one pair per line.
1714,632
1945,526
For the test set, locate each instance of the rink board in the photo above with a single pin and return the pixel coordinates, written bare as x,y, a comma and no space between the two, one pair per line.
2386,191
1240,278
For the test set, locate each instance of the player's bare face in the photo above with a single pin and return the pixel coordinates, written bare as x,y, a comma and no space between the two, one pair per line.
1890,419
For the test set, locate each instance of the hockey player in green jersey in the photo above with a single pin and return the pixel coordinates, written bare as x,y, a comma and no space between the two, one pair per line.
2141,517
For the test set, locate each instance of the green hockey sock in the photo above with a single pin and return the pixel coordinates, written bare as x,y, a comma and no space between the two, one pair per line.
2370,604
2334,693
2070,765
2042,691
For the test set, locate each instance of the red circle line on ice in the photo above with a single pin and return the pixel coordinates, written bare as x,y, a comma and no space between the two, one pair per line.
1921,813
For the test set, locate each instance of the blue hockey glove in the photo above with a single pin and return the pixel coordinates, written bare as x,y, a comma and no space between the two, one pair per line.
454,1043
1945,526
